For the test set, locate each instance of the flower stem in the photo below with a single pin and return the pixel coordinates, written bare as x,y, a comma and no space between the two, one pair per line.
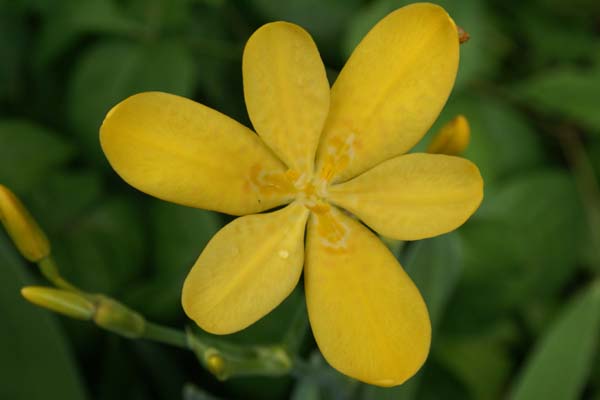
166,335
49,269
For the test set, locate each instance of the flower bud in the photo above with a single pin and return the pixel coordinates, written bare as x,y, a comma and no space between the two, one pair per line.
453,138
63,302
116,317
26,234
215,363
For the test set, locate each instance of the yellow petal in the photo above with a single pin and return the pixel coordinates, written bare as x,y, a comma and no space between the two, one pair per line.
22,228
286,91
367,316
246,270
390,91
453,138
181,151
413,196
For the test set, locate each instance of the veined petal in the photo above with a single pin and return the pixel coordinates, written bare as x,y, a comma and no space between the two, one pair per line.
390,91
181,151
367,316
414,196
286,91
246,270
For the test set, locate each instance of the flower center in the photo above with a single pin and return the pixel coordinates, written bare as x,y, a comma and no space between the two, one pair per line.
312,193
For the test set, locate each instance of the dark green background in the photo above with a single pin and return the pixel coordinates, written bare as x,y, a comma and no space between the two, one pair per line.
514,294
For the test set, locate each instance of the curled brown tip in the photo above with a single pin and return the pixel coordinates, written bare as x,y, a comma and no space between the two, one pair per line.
463,36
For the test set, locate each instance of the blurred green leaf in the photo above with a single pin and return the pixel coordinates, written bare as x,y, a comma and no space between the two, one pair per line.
180,234
553,39
441,383
521,247
13,42
480,56
306,389
483,362
112,71
569,92
561,361
325,31
35,360
64,197
28,152
119,374
104,248
71,20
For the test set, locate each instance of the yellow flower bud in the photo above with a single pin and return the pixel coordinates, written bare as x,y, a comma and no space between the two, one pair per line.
215,363
116,317
22,228
67,303
453,138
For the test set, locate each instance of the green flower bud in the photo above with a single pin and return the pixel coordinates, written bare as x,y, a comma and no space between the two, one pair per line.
63,302
116,317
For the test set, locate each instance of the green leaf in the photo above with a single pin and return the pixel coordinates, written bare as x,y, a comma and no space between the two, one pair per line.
326,31
13,38
104,248
521,247
36,362
480,56
71,20
63,198
112,71
556,37
28,153
482,362
306,389
569,92
560,363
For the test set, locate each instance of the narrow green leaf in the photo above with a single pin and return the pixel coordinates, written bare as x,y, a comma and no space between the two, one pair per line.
560,363
36,362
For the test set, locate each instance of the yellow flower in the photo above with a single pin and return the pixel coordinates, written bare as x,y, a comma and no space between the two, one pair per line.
323,154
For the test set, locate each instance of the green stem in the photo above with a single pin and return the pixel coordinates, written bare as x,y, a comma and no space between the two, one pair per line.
49,269
585,179
166,335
